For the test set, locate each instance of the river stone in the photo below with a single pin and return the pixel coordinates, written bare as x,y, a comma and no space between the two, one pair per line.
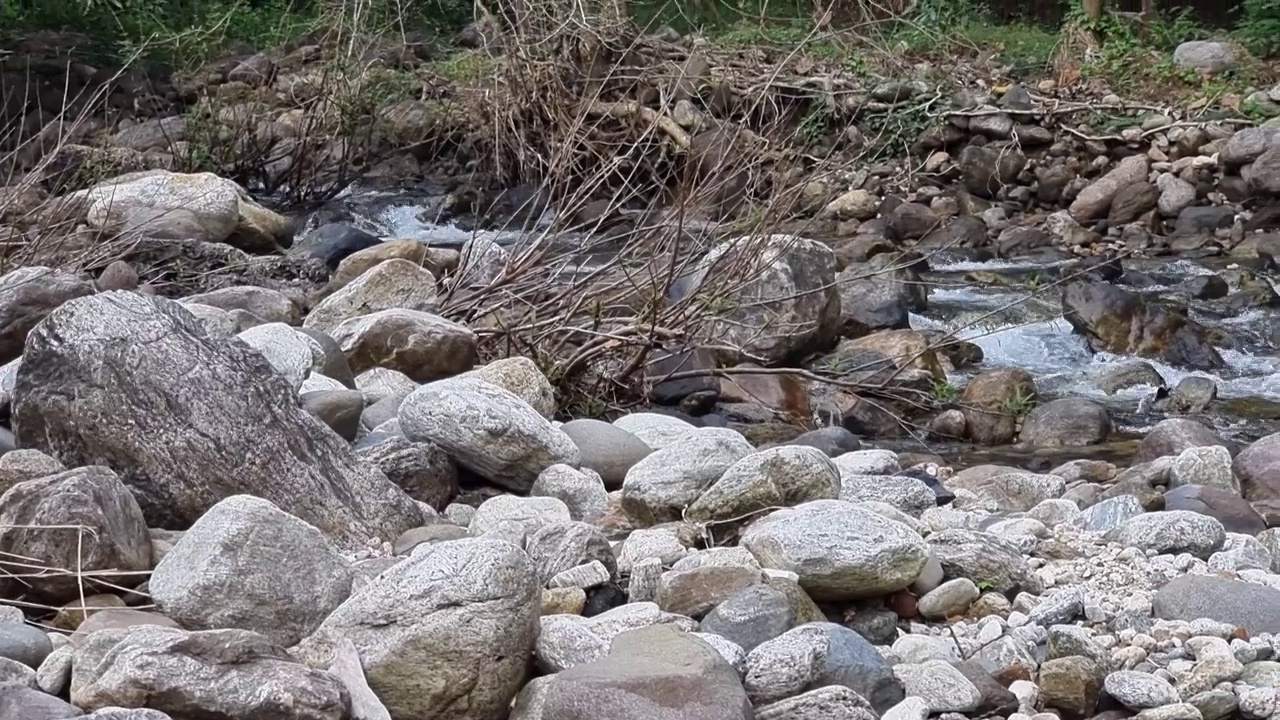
878,294
1209,466
557,547
1135,373
987,169
989,561
950,599
287,350
27,296
907,494
38,520
54,674
247,564
665,543
21,465
1172,436
1072,684
487,430
775,477
751,616
1111,513
940,684
700,581
481,262
566,641
655,673
659,487
392,284
522,378
27,703
987,402
867,462
1207,55
1256,608
362,261
1171,532
1012,490
216,674
423,470
265,303
1258,468
331,243
832,441
581,490
606,448
423,346
377,384
840,551
1115,320
1140,690
467,619
1094,201
531,513
817,655
1069,422
1176,195
657,430
24,644
781,293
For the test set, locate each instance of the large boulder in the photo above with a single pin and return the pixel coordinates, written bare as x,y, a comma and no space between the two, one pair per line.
659,487
212,674
817,655
1258,468
132,382
653,673
778,296
247,564
1094,202
990,404
1117,321
879,294
487,430
444,635
774,477
177,206
1174,436
40,521
839,550
1208,56
27,295
419,344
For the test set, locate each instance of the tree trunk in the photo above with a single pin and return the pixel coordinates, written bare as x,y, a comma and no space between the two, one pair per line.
1093,9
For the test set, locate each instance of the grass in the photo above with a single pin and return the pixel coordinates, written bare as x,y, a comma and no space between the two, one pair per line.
1019,404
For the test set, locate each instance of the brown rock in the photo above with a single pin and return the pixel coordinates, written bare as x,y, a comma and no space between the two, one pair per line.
1118,321
119,275
1235,514
119,619
1132,202
1072,684
71,615
361,261
27,296
421,345
991,402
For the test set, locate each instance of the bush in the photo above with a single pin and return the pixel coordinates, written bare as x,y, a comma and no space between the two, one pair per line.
1259,27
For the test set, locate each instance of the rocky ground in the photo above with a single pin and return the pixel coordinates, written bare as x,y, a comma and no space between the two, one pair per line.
256,473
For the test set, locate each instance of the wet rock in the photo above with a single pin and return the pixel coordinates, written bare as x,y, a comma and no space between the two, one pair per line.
1242,604
1096,200
1070,422
660,487
1226,506
334,242
777,477
248,565
1193,394
213,674
1264,174
990,402
487,430
840,551
1132,374
1203,220
1205,55
32,512
468,619
986,169
111,377
27,296
1117,321
819,655
1171,532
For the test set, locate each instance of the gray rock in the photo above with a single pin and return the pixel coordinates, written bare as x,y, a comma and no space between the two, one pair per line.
1066,422
1110,513
423,470
840,551
265,303
487,430
1172,436
1209,466
20,465
1227,507
833,441
566,641
655,429
27,296
1207,55
1139,690
521,377
582,491
12,671
665,543
751,616
983,558
912,708
1095,200
582,577
530,513
127,714
557,547
817,655
908,494
1176,194
775,477
38,520
949,599
379,383
653,673
54,675
132,380
1172,532
289,352
20,701
467,619
867,462
391,284
605,448
340,410
696,585
423,346
940,684
660,487
1011,490
247,564
826,703
1247,145
216,674
1256,608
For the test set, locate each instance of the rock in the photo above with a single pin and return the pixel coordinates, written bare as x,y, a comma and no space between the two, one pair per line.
38,521
334,242
393,284
24,644
605,448
1110,513
826,703
912,221
775,477
949,599
110,378
654,673
1176,195
27,296
853,205
1172,436
1117,321
660,487
20,701
1136,373
1242,604
119,619
1139,690
1095,200
468,618
1209,465
656,430
907,494
175,206
1203,220
265,303
879,295
751,616
1235,514
787,309
559,546
529,513
832,441
487,430
213,674
817,655
1132,202
362,261
289,352
986,169
1247,145
248,565
567,641
522,378
840,551
989,402
377,384
21,465
987,560
1070,422
1071,683
1009,489
423,346
1193,394
54,675
421,469
481,262
1171,532
699,582
582,491
939,684
332,363
1205,55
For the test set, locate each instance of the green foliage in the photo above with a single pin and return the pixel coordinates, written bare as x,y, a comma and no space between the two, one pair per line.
1259,27
944,392
1019,404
